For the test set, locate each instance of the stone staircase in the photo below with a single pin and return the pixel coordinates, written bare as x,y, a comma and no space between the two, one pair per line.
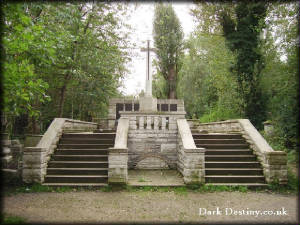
81,159
228,160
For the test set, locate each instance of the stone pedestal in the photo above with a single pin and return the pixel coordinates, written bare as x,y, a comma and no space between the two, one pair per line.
148,104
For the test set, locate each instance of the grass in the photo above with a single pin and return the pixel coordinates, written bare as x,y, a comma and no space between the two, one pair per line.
13,220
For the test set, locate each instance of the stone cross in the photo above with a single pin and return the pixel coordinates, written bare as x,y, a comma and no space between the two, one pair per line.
148,69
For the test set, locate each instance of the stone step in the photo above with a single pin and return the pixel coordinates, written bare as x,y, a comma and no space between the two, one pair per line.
76,130
79,157
101,131
90,135
78,164
216,136
230,158
227,151
223,146
86,141
240,184
84,146
75,184
77,171
233,171
231,164
76,178
234,179
219,141
81,152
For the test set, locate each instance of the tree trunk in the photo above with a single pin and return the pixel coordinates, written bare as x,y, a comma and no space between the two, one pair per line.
172,82
62,100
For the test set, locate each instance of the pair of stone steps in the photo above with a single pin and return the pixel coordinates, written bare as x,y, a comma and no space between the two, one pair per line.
81,159
228,160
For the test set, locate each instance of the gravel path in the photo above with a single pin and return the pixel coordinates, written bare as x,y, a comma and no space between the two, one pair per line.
146,206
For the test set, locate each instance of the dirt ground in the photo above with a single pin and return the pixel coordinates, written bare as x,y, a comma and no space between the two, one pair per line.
147,206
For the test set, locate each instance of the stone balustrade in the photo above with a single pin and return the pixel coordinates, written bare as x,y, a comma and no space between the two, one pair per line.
274,163
35,159
191,160
118,155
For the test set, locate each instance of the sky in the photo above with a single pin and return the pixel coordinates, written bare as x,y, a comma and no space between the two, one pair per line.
141,20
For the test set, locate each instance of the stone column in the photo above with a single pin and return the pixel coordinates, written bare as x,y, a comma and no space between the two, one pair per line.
275,167
117,161
34,164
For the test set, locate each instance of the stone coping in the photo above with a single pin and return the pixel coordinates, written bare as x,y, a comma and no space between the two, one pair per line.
185,134
122,134
77,121
217,122
35,149
194,150
256,137
118,150
152,113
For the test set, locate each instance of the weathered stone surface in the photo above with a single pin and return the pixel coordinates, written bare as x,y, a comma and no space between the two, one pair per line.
152,163
191,160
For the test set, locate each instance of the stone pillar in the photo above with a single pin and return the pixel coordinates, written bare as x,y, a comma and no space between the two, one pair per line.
275,167
141,123
117,161
149,120
193,166
34,165
156,121
148,104
163,123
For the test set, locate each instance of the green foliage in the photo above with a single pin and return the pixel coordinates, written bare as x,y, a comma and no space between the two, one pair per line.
205,82
280,77
243,38
168,41
71,53
23,87
220,188
6,219
292,187
106,188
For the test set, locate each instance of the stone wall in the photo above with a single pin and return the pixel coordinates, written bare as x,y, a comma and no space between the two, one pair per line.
152,139
11,159
35,159
274,163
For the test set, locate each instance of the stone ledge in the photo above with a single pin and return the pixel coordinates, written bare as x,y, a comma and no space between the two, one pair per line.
194,150
117,150
29,150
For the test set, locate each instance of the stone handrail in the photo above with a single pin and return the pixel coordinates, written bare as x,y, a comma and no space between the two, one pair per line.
274,163
122,133
118,155
261,144
191,160
35,159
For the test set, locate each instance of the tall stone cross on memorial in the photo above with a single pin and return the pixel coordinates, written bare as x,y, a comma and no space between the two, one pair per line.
148,103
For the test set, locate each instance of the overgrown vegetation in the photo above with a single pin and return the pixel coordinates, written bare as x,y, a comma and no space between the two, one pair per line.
7,219
60,60
249,69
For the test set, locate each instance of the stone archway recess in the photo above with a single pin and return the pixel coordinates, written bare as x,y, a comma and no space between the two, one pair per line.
157,161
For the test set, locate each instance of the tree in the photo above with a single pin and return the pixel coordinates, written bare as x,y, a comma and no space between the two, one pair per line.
71,53
168,40
280,77
243,38
23,88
